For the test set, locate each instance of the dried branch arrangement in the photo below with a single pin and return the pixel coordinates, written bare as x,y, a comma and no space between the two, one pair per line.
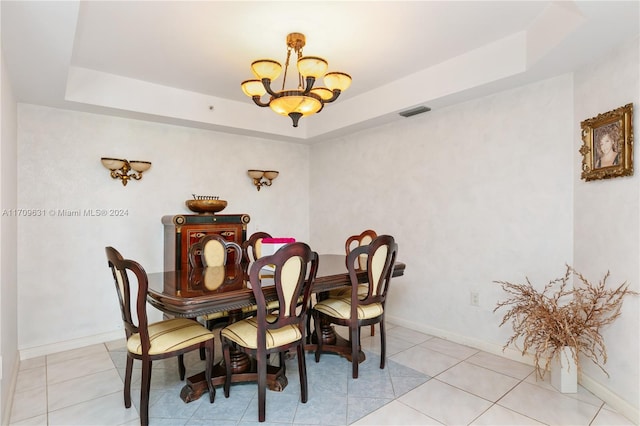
562,315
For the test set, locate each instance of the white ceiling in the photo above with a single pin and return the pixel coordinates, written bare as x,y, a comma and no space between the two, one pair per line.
182,62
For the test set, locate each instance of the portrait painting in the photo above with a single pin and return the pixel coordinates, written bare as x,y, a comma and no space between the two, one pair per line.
607,144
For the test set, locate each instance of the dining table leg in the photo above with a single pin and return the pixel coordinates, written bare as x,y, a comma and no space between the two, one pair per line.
332,342
243,369
196,385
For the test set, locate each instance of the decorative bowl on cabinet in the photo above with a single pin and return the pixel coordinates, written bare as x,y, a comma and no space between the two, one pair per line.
206,206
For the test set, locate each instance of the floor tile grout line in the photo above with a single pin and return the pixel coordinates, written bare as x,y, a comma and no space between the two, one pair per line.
567,395
497,402
493,403
482,413
415,409
82,402
520,381
495,371
59,361
80,377
487,369
595,416
524,380
114,368
445,370
477,351
464,390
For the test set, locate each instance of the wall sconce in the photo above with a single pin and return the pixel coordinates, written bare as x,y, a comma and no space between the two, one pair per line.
120,168
257,176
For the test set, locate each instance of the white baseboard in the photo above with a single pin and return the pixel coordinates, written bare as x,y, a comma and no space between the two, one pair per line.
28,353
598,389
620,405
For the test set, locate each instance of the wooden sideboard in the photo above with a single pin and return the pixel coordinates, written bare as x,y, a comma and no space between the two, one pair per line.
182,231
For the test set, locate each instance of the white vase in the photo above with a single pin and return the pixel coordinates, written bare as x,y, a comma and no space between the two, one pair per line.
564,371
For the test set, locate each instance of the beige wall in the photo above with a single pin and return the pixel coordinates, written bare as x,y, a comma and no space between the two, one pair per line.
607,214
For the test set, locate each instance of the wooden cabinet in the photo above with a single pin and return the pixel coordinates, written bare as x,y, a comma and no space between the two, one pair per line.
181,231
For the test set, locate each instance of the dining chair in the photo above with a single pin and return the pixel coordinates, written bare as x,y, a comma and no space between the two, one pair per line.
213,250
363,239
359,308
291,271
252,247
159,340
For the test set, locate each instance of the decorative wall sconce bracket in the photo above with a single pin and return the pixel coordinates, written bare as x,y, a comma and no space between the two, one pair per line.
120,168
258,175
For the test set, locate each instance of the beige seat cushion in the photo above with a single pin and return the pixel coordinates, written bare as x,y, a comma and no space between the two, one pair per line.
341,308
215,315
346,292
247,309
170,335
245,333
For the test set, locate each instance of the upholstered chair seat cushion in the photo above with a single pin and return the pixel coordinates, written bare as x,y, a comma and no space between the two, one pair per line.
170,335
341,308
245,333
346,292
246,310
215,315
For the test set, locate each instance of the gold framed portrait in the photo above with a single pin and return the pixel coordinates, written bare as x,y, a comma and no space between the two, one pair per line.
607,144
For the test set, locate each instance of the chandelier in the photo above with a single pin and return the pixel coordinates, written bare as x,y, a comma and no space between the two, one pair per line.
305,100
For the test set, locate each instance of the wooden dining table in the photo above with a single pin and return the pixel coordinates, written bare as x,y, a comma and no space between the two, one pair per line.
192,293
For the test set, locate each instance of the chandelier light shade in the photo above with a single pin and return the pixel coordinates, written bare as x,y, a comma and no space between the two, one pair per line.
305,99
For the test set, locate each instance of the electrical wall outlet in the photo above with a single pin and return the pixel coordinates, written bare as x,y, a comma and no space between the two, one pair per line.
474,299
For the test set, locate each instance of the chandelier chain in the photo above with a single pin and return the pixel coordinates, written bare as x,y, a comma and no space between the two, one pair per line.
300,79
286,67
298,50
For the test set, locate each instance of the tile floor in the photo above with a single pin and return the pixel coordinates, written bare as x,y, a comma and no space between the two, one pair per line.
427,381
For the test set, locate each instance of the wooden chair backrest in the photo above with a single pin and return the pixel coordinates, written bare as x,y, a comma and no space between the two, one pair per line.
252,247
291,271
122,269
363,239
380,256
213,250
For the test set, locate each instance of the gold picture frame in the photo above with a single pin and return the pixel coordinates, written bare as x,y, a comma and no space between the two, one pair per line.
607,144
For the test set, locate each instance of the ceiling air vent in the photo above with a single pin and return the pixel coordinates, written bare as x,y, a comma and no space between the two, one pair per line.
414,111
